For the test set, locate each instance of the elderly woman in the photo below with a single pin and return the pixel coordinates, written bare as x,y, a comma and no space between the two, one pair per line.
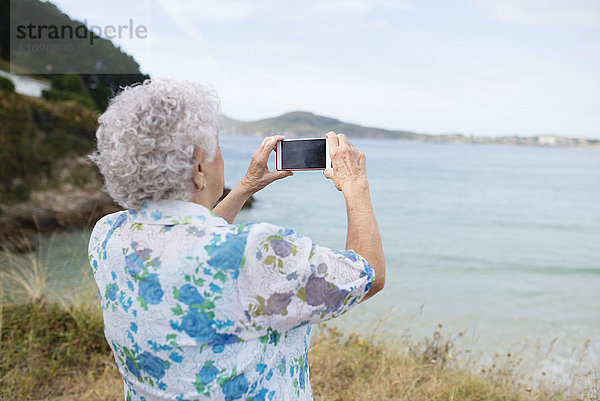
196,307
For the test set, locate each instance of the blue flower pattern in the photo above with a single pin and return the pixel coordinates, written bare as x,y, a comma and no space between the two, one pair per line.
207,374
188,294
150,289
196,308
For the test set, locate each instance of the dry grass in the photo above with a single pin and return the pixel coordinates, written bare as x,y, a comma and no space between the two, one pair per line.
25,279
347,367
52,351
49,352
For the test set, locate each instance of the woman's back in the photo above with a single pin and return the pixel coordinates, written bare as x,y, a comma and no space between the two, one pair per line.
197,308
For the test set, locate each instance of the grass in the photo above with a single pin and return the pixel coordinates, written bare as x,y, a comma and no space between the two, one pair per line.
54,351
26,279
371,369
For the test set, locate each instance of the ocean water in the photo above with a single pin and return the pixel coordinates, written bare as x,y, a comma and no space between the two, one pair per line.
501,243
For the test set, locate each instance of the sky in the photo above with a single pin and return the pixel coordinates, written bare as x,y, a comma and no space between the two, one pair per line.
483,68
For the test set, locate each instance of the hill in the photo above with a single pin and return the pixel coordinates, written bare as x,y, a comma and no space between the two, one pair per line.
40,142
106,66
305,124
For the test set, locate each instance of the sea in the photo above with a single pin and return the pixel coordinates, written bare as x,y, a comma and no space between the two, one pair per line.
495,247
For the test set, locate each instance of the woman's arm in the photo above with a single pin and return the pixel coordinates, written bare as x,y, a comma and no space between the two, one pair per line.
349,175
363,233
231,205
257,177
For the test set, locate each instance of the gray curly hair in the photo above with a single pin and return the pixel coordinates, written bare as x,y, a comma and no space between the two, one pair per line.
148,136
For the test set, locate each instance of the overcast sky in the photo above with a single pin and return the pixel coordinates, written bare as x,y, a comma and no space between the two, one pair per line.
477,67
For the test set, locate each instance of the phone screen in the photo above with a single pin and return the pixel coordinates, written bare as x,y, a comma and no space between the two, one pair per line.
303,154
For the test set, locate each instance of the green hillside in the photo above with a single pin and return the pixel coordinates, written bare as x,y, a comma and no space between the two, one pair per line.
112,67
43,142
306,124
40,143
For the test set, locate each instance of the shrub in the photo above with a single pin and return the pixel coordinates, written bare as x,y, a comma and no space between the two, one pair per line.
69,87
69,83
6,84
82,99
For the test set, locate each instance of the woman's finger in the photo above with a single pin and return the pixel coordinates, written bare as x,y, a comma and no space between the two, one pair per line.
342,140
264,142
332,141
267,147
277,175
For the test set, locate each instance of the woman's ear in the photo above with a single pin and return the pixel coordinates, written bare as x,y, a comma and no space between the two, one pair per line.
198,174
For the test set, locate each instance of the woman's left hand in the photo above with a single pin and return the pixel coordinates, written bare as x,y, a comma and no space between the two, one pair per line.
258,175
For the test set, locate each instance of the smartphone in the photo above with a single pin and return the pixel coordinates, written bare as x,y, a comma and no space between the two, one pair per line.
302,154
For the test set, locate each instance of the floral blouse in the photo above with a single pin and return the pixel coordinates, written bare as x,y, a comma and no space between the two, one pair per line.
198,309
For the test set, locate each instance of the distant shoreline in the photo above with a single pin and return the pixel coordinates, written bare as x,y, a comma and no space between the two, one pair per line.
305,124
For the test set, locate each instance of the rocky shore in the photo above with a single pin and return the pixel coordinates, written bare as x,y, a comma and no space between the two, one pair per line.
69,208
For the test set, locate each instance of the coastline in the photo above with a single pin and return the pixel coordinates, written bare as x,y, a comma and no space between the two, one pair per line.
307,124
68,208
64,209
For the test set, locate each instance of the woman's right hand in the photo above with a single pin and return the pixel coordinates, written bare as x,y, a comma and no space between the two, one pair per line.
348,169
